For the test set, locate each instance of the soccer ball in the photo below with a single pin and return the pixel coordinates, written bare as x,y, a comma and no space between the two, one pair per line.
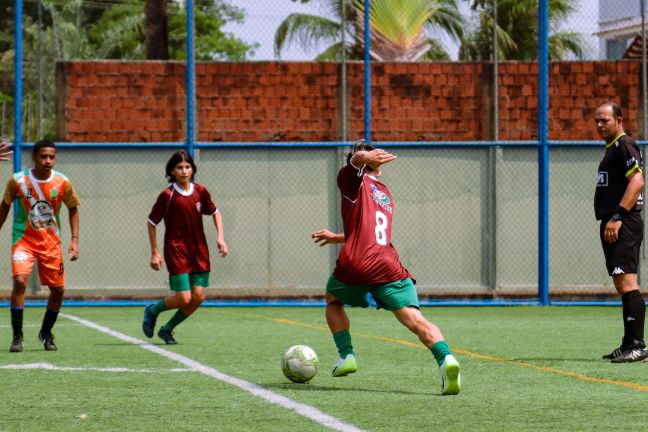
299,363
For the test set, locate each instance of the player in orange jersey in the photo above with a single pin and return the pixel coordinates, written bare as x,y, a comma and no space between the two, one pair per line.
39,193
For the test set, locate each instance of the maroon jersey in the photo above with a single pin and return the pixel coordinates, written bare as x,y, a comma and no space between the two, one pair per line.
185,246
367,257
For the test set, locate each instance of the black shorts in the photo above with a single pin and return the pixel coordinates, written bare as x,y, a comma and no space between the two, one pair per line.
622,256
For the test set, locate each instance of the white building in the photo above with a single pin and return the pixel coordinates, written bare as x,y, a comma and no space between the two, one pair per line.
620,29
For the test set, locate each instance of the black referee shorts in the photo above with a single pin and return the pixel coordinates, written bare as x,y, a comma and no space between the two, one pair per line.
622,256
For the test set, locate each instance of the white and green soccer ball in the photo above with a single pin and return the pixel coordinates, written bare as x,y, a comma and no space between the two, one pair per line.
299,363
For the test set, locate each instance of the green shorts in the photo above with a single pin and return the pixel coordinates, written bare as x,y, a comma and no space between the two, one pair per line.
390,296
184,281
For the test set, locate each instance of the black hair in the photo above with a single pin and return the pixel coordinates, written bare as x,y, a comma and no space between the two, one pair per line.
358,146
175,159
42,144
616,108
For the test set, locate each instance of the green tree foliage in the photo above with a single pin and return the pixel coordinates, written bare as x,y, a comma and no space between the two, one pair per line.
517,31
99,29
398,29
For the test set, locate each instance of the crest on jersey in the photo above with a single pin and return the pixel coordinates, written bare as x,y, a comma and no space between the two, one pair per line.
54,193
198,206
380,198
41,215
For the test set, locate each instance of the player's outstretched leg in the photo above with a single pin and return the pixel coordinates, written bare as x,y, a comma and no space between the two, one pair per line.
430,335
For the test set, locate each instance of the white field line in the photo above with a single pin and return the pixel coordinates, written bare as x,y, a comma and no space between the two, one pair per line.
49,366
304,410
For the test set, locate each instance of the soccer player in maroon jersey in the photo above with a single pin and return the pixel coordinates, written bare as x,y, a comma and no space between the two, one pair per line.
181,206
369,263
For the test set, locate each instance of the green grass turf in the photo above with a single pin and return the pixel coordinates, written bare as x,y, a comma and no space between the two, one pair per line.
502,352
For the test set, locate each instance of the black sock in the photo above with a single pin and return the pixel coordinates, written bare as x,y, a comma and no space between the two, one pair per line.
48,321
16,320
634,314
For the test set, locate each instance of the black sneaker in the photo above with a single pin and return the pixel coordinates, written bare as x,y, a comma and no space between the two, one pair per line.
616,353
167,336
16,343
148,324
48,341
634,353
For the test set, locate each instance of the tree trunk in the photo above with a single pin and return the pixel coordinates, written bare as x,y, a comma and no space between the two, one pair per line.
156,30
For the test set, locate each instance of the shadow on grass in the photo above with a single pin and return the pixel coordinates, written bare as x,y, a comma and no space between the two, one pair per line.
557,359
313,387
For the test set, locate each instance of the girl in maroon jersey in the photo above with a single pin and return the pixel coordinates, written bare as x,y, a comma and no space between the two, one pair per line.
368,264
182,206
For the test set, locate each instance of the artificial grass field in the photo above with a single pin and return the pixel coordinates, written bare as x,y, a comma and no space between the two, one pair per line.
523,368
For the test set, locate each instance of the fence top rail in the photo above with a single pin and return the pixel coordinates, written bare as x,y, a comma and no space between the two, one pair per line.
319,144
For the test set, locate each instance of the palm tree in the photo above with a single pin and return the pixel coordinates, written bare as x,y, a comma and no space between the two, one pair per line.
517,35
398,29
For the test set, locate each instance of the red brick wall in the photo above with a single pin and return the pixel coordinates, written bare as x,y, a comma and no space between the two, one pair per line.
279,101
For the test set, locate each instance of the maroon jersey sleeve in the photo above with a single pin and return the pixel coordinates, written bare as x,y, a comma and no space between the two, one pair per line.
207,206
349,180
160,207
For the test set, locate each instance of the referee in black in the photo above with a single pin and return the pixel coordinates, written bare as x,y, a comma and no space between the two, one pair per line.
617,204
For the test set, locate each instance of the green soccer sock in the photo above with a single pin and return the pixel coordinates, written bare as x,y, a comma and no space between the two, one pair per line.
175,320
343,343
440,350
159,307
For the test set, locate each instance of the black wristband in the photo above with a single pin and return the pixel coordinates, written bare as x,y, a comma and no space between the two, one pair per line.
622,212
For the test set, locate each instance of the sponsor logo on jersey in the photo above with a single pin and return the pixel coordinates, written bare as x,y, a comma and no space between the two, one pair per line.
41,215
617,271
630,162
20,256
380,198
602,179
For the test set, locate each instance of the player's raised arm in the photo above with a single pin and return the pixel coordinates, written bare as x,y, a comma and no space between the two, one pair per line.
373,159
324,237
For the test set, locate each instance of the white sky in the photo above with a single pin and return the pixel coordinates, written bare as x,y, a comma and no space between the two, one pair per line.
264,16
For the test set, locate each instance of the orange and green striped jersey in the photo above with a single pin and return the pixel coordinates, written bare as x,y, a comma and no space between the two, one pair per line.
36,222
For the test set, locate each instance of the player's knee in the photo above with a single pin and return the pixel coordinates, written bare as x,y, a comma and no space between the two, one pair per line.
20,283
197,298
57,292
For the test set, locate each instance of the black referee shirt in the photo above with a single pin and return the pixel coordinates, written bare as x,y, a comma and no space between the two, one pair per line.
622,158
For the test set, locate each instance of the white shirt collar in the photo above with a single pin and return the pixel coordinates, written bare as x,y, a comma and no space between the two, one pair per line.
182,191
34,179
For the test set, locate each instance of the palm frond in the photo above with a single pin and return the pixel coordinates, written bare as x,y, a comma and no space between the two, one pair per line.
306,30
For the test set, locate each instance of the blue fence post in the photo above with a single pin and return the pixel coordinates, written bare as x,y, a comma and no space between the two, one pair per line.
18,84
543,152
190,91
367,71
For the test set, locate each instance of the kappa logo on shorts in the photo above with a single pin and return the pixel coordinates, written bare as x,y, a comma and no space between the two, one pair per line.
602,179
617,271
20,256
